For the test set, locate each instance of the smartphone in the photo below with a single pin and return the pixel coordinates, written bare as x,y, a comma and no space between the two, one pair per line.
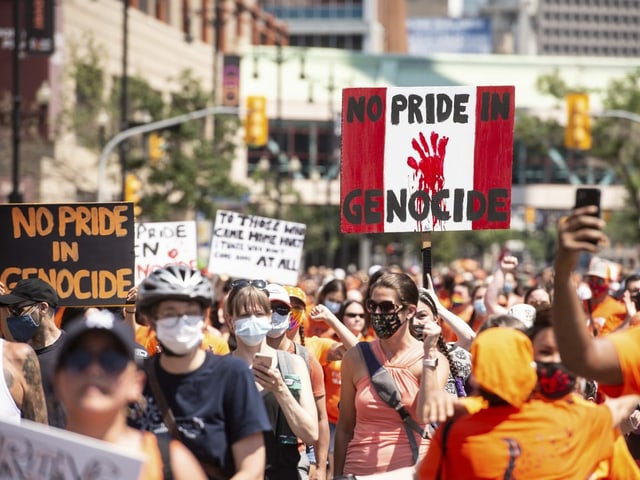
262,359
588,196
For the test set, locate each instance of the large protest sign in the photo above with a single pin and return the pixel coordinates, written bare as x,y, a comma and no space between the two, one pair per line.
254,247
163,243
31,450
426,158
84,251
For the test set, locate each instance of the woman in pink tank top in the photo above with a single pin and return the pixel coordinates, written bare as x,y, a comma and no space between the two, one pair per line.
370,435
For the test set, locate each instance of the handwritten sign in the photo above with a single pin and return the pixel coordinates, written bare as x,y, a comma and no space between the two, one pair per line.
160,244
32,450
426,158
84,251
249,246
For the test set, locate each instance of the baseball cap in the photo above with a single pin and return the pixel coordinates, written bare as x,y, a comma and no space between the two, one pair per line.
277,293
32,289
502,363
100,321
599,268
296,292
524,312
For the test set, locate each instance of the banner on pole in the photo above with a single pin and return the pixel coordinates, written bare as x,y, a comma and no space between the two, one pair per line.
418,159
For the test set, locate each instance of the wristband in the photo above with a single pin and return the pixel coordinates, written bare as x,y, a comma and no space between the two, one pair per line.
430,362
129,311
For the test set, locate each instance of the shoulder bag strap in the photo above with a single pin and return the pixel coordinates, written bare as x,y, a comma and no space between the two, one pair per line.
167,413
164,445
386,388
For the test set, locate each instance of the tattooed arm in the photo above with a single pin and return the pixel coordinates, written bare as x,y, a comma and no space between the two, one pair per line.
22,374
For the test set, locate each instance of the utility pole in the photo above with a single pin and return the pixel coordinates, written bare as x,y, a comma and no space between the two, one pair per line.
15,196
124,94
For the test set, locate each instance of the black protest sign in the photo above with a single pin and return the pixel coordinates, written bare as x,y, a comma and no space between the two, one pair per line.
84,251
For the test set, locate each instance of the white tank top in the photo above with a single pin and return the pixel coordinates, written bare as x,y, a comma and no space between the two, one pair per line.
9,411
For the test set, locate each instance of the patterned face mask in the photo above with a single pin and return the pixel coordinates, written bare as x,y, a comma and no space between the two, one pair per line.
554,380
385,324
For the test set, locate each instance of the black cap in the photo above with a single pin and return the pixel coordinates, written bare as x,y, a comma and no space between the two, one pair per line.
32,289
101,321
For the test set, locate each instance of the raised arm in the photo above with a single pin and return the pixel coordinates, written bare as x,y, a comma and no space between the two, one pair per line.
322,313
581,353
507,264
461,328
435,404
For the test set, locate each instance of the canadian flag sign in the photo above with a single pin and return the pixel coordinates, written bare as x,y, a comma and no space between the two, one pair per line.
426,158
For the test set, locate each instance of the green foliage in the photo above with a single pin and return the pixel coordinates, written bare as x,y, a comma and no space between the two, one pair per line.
87,72
195,173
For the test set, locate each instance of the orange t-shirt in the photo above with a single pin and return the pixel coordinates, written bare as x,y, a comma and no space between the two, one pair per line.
147,338
319,347
608,315
542,440
626,344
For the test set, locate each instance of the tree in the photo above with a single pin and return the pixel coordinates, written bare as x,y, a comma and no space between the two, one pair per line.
195,173
616,141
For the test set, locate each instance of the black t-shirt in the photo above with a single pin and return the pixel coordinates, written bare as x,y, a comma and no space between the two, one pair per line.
214,406
47,358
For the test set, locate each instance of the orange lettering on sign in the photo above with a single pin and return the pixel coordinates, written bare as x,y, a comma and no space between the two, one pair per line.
38,221
93,221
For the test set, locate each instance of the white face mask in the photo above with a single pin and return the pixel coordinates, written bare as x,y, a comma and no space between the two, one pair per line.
180,334
279,324
252,330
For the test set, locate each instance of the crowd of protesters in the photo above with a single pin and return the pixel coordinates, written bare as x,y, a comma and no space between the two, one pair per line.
507,374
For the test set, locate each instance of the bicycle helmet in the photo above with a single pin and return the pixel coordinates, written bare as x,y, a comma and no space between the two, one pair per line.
173,282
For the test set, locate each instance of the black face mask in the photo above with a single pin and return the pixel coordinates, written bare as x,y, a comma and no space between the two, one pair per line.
385,324
554,380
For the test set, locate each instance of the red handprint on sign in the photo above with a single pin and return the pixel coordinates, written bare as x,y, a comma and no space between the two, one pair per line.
430,167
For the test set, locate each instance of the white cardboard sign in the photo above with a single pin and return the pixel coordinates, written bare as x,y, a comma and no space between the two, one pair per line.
249,246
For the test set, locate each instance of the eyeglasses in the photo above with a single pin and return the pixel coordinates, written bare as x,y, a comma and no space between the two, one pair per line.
18,310
386,306
280,308
354,315
243,282
111,361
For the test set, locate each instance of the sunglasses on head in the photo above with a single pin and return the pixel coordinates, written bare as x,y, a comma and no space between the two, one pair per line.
354,315
79,359
386,306
243,282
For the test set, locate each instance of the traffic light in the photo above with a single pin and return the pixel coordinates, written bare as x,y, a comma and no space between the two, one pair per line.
156,147
132,193
256,124
577,135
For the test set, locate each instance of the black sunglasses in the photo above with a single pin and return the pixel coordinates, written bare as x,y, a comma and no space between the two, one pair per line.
386,306
280,308
17,310
243,282
79,359
354,315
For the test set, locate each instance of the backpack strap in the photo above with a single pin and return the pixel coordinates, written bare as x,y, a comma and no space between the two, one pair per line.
303,352
164,445
387,390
